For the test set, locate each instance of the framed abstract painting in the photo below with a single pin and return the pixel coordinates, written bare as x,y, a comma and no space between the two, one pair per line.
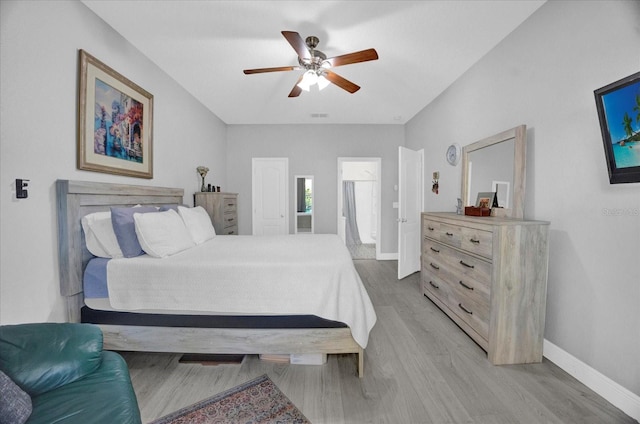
618,106
115,122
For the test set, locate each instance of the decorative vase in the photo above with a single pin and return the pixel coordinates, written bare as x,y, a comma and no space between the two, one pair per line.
203,188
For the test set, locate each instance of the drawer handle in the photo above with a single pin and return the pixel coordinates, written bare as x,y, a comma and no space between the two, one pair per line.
434,266
449,234
231,232
430,228
434,285
465,286
229,204
467,265
474,241
229,219
435,250
464,309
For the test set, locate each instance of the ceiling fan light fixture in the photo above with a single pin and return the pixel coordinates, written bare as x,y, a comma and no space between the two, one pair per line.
323,82
308,79
303,85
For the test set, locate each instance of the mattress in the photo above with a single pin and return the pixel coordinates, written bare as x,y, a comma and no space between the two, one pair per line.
149,319
311,275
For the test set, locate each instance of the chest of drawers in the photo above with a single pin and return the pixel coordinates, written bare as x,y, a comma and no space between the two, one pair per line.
223,210
489,275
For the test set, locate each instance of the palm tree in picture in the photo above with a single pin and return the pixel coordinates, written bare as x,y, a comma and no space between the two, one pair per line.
637,108
626,123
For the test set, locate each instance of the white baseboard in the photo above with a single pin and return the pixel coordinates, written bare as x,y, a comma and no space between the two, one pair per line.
621,398
387,257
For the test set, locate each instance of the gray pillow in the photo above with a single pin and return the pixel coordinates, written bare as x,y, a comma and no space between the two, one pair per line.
15,404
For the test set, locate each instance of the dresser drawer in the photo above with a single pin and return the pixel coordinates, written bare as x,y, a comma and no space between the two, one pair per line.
473,313
446,233
230,220
477,241
230,231
452,264
230,204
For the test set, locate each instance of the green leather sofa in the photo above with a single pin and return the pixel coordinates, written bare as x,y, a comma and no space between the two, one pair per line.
67,375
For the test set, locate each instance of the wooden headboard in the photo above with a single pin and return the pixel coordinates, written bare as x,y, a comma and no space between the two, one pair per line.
76,199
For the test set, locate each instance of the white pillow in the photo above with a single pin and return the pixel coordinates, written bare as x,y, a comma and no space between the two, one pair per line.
99,235
162,234
198,223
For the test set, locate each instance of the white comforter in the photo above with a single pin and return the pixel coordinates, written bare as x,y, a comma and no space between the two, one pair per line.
269,275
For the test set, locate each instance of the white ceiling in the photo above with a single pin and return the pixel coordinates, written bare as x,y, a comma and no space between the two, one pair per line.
423,47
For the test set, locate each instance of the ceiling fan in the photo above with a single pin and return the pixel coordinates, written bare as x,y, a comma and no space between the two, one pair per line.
316,65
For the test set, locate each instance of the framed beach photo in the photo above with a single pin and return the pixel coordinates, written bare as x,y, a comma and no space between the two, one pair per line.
115,122
486,200
618,106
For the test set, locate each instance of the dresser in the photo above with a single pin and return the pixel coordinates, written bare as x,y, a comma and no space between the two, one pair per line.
222,208
489,275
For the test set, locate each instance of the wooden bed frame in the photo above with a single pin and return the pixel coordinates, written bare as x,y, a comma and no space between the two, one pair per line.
76,199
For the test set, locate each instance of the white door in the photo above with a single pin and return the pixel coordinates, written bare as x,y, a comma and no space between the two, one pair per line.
410,191
270,196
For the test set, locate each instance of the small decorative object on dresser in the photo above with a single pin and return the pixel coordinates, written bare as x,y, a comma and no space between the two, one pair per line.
202,171
223,210
486,200
489,275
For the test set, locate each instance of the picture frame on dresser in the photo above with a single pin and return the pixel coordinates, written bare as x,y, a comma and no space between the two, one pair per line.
115,122
486,200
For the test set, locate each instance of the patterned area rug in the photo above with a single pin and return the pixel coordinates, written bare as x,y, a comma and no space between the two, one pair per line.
256,401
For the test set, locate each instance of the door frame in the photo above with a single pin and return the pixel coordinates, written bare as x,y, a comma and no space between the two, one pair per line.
378,162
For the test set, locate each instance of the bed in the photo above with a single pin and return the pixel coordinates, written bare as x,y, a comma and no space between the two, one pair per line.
152,326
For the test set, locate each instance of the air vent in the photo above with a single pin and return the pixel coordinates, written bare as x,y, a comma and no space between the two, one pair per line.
319,115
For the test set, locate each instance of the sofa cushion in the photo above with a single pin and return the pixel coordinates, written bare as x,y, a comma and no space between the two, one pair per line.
15,404
105,396
42,357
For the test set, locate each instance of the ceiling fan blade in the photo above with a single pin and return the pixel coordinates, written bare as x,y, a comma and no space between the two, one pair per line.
295,91
278,69
297,43
341,82
346,59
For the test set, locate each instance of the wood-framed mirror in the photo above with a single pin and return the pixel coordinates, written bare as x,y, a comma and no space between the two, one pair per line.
497,164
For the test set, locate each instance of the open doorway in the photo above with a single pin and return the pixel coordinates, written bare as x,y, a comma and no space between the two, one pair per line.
359,206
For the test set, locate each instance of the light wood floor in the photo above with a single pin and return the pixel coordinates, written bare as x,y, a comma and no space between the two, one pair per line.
419,368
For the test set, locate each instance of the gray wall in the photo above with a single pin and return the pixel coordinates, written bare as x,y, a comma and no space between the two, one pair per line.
314,150
543,75
38,82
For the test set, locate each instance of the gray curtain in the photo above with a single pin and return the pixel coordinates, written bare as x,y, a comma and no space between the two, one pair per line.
352,235
302,206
